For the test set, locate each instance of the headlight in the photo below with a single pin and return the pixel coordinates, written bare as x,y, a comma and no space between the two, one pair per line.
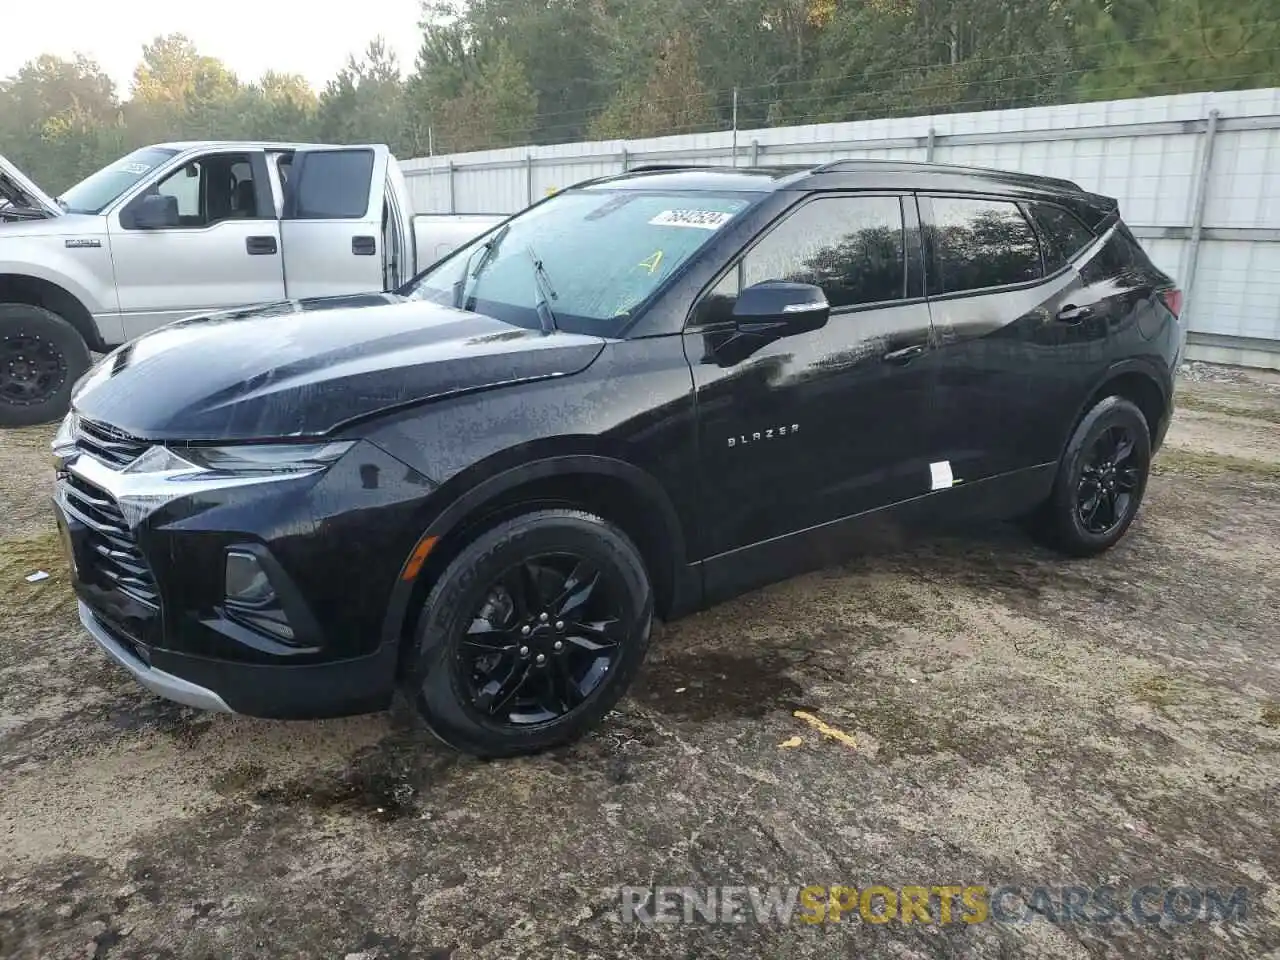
240,460
64,440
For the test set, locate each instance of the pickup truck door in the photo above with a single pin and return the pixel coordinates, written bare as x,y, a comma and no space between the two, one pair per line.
331,231
220,249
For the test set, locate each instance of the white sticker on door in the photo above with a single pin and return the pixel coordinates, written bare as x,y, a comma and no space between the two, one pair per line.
701,219
940,474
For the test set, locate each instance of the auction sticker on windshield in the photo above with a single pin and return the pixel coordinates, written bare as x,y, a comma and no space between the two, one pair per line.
700,219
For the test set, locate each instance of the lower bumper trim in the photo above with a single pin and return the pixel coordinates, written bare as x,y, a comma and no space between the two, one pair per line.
157,681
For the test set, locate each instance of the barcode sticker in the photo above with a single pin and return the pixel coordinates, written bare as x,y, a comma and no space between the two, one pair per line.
700,219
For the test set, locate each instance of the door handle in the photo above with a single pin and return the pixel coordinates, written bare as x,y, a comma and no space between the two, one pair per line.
260,246
905,355
364,246
1073,314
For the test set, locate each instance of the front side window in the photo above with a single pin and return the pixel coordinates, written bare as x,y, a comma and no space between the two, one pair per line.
603,253
99,190
981,243
212,189
852,247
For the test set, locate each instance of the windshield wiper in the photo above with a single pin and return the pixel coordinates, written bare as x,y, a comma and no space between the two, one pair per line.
486,251
546,293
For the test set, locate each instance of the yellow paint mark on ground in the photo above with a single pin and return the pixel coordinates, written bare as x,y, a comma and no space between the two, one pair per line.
825,728
793,742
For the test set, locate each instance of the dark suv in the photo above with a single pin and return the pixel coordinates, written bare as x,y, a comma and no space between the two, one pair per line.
641,396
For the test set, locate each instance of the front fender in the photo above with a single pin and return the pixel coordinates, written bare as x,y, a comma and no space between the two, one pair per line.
473,498
71,263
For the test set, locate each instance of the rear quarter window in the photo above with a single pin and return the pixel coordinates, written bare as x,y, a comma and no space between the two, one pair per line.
1062,234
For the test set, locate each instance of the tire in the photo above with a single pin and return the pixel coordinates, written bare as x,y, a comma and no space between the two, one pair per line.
481,598
41,358
1084,516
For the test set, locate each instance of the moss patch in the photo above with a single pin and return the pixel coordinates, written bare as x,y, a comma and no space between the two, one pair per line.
20,557
1195,463
1159,692
1222,407
1271,715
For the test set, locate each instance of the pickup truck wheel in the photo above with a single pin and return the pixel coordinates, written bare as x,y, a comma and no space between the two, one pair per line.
41,358
1101,480
531,634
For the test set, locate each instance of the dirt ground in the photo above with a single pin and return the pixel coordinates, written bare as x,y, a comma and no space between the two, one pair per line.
1018,719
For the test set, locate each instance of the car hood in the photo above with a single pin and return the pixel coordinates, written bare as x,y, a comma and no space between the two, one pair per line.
20,191
303,368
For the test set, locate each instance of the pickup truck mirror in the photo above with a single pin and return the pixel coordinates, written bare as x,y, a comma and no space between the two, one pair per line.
779,308
154,211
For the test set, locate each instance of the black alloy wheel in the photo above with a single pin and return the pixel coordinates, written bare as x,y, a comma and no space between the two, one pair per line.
1109,479
1100,481
542,640
530,633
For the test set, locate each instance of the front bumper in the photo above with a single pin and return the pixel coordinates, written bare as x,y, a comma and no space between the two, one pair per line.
157,681
149,577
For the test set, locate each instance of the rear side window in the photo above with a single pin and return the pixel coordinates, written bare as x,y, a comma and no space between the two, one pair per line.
330,185
1063,234
851,247
981,243
1121,258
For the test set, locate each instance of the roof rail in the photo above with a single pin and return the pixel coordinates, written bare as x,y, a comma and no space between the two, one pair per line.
852,164
646,167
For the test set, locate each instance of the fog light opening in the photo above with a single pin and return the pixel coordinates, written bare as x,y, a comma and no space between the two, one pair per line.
247,584
251,597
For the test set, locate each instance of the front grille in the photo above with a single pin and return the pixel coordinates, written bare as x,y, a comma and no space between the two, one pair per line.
107,444
110,543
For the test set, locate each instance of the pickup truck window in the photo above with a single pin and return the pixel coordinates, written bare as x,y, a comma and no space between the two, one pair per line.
604,253
335,186
211,189
99,190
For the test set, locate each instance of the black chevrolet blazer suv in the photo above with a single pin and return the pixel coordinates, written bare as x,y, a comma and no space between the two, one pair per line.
641,396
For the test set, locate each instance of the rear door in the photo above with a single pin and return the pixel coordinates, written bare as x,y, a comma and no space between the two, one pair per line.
1008,347
332,229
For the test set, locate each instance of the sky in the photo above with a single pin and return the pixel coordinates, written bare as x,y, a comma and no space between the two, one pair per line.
249,37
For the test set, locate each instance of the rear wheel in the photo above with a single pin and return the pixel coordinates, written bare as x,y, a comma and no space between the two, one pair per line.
41,357
1100,483
531,634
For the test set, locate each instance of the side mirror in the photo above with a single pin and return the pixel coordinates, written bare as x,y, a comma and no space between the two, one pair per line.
779,308
154,211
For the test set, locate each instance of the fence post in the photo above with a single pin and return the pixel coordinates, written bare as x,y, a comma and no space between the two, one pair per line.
626,159
735,126
930,144
453,205
755,153
528,179
1197,221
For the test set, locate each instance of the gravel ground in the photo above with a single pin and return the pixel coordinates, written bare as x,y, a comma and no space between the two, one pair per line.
993,715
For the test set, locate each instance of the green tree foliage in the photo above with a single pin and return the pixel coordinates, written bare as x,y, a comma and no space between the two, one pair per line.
492,73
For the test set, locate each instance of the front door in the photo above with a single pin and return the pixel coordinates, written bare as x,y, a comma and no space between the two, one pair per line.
223,251
805,430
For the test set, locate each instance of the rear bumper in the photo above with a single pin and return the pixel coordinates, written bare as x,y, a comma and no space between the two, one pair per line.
273,691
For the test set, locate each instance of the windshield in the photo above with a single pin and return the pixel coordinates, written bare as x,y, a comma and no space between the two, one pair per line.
602,252
95,192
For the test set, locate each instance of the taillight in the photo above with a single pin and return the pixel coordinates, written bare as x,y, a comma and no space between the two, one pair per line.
1173,300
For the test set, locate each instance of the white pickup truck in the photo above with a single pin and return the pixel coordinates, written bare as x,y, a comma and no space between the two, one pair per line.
178,229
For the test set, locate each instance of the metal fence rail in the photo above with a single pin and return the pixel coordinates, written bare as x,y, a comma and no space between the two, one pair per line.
1197,177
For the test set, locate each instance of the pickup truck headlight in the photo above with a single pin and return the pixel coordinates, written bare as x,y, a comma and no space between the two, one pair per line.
64,441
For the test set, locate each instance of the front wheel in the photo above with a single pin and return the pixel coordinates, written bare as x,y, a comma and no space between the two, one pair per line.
41,358
1100,483
531,634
